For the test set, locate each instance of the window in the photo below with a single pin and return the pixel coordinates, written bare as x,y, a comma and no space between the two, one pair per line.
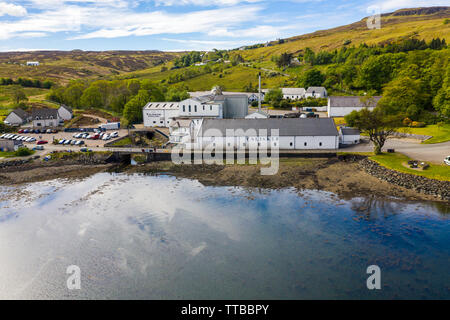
275,144
195,108
320,144
290,144
306,144
203,108
189,108
184,108
210,108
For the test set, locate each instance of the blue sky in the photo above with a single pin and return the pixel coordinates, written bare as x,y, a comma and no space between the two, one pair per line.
173,25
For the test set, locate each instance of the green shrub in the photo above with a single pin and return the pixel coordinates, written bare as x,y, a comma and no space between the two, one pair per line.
417,124
23,152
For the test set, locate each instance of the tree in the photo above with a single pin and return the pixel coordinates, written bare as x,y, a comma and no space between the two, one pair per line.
378,125
284,60
312,78
309,56
91,98
274,96
19,95
177,94
72,95
133,109
405,95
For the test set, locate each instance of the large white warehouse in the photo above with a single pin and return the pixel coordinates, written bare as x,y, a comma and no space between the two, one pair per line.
294,134
342,106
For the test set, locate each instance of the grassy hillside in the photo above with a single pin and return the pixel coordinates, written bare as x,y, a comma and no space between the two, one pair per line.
426,23
63,66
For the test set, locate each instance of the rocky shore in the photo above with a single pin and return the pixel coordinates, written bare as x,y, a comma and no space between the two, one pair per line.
347,176
420,184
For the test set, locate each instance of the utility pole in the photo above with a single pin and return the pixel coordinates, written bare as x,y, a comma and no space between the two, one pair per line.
259,100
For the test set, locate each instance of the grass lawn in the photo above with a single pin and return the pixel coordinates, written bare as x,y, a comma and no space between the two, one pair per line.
395,161
439,134
124,142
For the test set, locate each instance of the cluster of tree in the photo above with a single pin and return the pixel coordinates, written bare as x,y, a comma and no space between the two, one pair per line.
29,83
284,60
187,74
188,59
364,51
126,97
414,82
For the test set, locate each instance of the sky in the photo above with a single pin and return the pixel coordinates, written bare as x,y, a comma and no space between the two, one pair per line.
174,25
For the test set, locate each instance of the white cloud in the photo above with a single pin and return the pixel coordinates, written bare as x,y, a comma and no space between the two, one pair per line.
203,2
12,10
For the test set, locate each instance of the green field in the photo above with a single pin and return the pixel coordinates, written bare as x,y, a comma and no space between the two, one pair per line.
395,161
439,133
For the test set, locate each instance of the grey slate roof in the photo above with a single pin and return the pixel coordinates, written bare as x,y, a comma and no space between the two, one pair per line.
22,114
67,108
316,90
350,132
40,114
353,101
287,127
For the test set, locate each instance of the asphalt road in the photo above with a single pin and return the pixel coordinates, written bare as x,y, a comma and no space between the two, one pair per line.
412,148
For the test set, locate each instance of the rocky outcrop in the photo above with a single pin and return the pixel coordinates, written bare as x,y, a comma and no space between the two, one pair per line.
421,184
14,163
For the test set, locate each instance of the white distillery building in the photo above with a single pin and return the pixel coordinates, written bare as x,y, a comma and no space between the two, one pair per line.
17,117
160,114
342,106
348,136
33,63
316,92
293,93
44,118
294,134
65,112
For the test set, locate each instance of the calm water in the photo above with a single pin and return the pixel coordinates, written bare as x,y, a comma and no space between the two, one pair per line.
149,237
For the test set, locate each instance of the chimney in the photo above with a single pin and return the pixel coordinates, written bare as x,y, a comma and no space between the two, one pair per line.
259,98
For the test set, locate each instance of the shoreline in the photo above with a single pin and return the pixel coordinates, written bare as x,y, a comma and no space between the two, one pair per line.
343,177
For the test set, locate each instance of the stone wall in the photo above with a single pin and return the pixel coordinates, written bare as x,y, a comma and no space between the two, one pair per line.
421,184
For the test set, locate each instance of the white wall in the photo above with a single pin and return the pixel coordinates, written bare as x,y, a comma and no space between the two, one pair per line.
350,139
64,114
43,123
159,117
14,119
284,142
343,111
198,109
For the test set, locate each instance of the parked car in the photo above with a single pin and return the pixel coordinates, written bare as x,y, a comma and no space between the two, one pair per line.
84,149
41,142
447,161
62,141
38,148
73,142
114,134
67,142
26,131
20,131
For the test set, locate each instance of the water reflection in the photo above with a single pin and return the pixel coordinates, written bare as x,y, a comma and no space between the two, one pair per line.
149,237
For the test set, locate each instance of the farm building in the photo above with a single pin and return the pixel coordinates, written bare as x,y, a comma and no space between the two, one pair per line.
17,117
342,106
33,63
316,92
10,145
293,93
294,134
160,114
65,112
44,118
349,136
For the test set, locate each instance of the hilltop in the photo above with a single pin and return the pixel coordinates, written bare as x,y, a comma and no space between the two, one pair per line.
63,66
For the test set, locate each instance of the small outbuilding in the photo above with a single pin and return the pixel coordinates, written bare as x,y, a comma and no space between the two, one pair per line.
10,145
348,136
17,117
65,112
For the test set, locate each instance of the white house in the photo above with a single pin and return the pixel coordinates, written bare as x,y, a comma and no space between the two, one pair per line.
293,93
65,112
17,117
293,134
342,106
349,136
44,118
199,107
160,114
33,63
316,92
